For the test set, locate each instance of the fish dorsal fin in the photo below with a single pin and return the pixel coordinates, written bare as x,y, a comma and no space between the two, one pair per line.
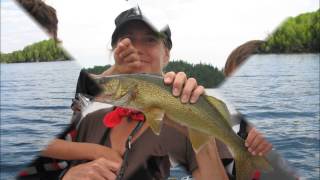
198,139
154,117
221,107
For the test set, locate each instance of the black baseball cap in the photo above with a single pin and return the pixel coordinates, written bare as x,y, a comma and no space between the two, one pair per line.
136,14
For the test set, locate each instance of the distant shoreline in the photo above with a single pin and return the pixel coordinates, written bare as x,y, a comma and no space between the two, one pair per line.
298,34
172,60
36,61
43,51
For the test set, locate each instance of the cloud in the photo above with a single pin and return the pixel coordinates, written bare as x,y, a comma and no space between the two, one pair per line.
202,30
208,31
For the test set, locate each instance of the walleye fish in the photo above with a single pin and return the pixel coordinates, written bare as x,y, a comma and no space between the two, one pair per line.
205,119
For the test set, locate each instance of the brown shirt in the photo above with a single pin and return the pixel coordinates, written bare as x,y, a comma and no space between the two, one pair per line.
149,156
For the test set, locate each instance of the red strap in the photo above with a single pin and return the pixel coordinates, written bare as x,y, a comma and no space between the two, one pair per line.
23,173
114,118
55,164
256,175
73,134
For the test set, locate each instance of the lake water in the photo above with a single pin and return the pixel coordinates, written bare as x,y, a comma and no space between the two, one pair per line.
277,93
35,106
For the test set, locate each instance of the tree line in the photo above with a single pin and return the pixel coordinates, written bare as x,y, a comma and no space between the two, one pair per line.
206,74
43,51
300,34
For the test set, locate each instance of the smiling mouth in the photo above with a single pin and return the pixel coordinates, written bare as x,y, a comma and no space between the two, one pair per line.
144,61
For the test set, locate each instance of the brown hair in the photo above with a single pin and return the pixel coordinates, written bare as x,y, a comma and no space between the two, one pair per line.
44,14
240,54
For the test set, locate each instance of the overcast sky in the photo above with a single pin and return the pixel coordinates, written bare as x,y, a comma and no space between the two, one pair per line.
17,29
202,30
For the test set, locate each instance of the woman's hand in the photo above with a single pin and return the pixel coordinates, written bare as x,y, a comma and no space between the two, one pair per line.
97,169
126,58
187,88
256,143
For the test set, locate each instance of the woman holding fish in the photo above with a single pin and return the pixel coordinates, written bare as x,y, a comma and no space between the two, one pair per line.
133,151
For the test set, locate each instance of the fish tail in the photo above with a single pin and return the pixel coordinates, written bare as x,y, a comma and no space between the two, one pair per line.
247,165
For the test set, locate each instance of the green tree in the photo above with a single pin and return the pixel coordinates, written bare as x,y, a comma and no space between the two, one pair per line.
206,74
46,50
300,34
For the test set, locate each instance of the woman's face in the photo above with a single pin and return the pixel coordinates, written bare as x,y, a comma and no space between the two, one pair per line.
150,50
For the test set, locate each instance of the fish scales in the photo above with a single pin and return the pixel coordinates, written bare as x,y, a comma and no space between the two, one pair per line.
162,98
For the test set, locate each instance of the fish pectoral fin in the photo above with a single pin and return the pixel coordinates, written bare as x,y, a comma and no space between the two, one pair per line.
154,117
220,106
198,139
133,90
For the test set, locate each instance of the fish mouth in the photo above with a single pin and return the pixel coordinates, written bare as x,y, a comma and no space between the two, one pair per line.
110,99
107,97
116,97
